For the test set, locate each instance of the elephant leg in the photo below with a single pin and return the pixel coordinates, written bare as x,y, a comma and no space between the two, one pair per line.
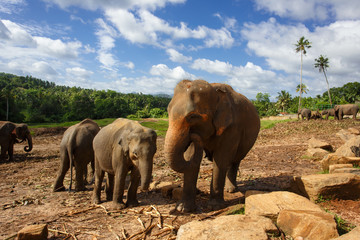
119,186
79,176
11,152
231,185
109,188
133,186
99,176
217,187
64,167
3,152
187,203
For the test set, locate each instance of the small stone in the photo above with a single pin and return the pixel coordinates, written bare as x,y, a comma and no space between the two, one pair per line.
33,232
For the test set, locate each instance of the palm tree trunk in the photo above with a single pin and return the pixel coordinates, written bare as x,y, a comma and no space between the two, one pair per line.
300,81
328,88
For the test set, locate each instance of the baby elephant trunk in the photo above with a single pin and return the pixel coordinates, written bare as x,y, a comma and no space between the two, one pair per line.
145,168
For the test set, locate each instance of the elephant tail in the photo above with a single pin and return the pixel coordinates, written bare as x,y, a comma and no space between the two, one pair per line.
70,149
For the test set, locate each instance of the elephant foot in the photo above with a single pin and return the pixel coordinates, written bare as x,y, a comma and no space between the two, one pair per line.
231,189
132,203
58,188
186,207
216,204
118,206
96,200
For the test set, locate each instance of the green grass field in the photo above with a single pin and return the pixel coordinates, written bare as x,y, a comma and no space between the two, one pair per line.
159,125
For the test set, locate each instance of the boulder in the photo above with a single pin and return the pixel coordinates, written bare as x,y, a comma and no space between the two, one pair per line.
33,232
316,143
353,234
348,170
270,204
346,134
229,227
311,225
316,152
333,158
345,150
339,166
337,185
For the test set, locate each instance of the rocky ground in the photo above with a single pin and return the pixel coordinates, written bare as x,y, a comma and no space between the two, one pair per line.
26,195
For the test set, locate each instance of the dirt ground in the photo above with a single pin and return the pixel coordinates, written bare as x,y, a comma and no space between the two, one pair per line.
26,195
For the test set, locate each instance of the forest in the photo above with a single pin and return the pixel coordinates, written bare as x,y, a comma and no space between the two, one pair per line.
32,100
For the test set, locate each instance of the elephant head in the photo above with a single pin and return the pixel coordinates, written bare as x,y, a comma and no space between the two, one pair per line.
140,147
21,132
197,111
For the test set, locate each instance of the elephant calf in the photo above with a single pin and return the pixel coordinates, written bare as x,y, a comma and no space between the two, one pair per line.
305,113
328,112
120,147
11,133
76,150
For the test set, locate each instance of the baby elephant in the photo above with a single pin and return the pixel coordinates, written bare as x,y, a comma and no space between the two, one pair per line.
76,150
120,147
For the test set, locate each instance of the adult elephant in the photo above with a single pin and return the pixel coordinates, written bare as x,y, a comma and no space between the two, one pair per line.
346,109
304,113
120,147
327,113
215,118
76,150
11,133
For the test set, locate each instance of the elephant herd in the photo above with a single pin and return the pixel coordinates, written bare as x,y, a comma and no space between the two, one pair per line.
337,112
204,117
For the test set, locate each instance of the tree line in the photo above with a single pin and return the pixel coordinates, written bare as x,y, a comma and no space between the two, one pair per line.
32,100
28,99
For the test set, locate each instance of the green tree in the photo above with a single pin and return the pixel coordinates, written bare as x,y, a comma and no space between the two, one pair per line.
284,99
302,89
323,63
301,47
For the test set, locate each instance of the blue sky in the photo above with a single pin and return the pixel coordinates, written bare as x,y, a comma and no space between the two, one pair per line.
149,45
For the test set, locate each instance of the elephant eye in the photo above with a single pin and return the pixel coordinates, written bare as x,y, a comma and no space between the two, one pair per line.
135,154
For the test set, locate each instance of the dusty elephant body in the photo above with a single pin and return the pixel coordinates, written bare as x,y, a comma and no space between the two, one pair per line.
120,147
76,150
346,109
304,113
11,133
211,118
327,113
315,115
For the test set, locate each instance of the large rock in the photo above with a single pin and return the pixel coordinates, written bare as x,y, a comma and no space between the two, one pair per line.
270,204
337,185
316,152
347,134
316,143
333,167
348,170
228,227
345,150
352,235
311,225
333,158
33,232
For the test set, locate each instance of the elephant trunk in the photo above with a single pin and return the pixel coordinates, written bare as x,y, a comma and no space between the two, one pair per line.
30,145
145,168
178,139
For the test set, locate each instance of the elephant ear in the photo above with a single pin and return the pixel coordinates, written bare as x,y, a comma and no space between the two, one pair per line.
223,117
7,129
124,141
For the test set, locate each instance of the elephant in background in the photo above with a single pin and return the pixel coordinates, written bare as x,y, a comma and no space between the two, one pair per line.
305,113
11,133
211,118
120,147
76,150
327,113
346,109
315,115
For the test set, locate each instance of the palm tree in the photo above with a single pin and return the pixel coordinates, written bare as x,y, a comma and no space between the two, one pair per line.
301,46
284,99
323,63
302,89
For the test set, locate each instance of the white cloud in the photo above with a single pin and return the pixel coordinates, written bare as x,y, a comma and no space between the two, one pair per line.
175,56
339,41
11,6
312,9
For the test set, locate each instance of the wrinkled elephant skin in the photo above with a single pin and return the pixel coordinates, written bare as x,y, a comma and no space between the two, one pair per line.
120,147
11,133
211,118
76,150
346,109
304,113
